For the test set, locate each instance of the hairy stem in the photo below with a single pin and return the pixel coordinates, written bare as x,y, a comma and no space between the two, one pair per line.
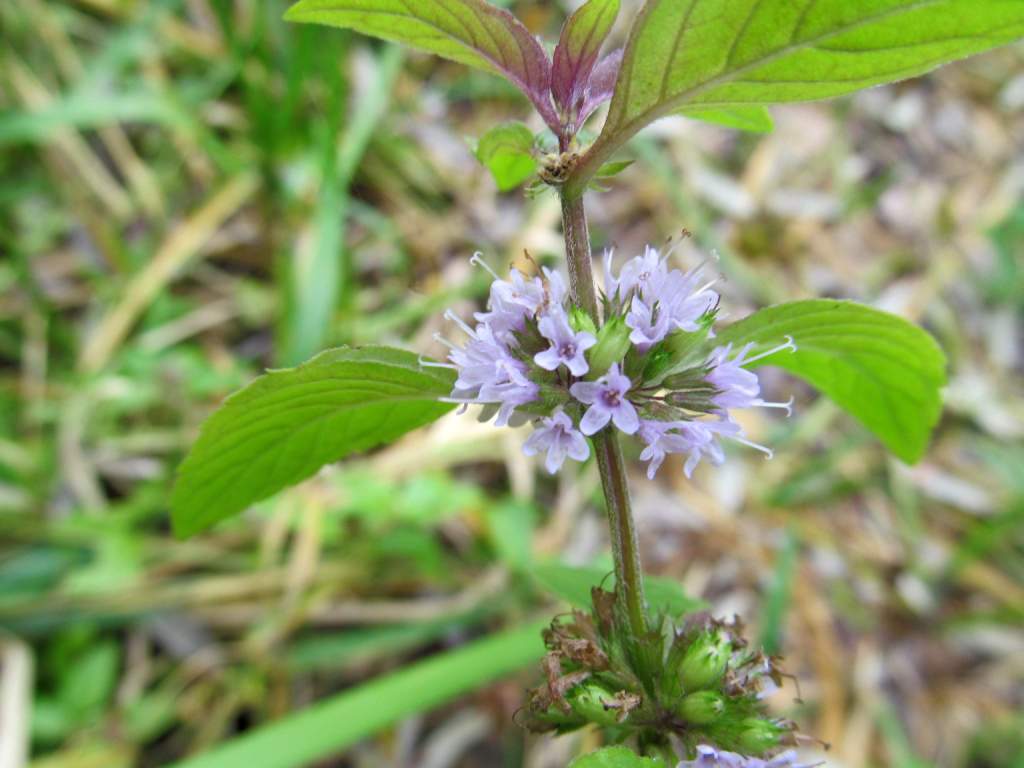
629,585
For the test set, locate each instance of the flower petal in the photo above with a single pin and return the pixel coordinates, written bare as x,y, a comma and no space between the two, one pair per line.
549,359
594,420
579,448
585,391
626,418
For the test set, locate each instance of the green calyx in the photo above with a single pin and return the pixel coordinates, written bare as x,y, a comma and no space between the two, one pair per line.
702,707
595,704
758,736
580,320
705,661
612,345
678,352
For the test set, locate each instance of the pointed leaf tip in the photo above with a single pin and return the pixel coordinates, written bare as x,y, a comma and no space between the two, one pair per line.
577,52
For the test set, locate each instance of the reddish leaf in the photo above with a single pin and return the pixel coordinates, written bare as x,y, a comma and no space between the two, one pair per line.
577,51
602,83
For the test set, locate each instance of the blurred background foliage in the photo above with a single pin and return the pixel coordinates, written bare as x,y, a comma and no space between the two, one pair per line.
193,191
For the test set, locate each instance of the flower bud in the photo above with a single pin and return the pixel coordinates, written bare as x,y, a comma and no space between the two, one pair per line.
612,345
590,701
705,661
758,736
579,320
702,707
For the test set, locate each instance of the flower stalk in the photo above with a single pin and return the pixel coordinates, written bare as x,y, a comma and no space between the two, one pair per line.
629,585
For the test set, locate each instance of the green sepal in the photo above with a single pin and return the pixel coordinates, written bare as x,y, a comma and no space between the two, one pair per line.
612,345
580,320
758,736
702,707
705,661
591,702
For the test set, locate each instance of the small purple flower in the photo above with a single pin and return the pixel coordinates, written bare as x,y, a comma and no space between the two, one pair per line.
509,395
709,757
660,442
608,402
485,361
683,300
662,299
559,438
504,319
737,387
642,273
556,290
701,436
648,322
567,346
488,372
611,282
695,438
519,290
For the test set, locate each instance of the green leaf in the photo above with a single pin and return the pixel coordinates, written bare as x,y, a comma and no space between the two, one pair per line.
507,152
287,424
471,32
578,48
752,119
328,727
615,757
608,170
90,681
573,584
883,370
714,54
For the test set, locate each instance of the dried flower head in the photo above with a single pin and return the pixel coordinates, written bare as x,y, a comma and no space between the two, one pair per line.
682,687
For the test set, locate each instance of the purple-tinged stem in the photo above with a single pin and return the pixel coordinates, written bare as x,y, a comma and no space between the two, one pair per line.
629,584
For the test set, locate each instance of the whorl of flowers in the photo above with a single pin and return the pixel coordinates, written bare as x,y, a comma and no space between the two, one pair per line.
649,371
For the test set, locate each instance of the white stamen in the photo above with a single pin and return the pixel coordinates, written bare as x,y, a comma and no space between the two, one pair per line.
442,340
704,287
671,245
768,452
786,406
424,363
477,260
460,322
790,344
464,400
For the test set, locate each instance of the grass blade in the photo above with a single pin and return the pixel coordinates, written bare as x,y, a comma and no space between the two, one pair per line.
337,723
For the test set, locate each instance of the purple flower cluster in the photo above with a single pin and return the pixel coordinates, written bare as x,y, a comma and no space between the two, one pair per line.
709,757
650,370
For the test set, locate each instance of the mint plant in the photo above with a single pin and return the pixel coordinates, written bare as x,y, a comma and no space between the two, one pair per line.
643,357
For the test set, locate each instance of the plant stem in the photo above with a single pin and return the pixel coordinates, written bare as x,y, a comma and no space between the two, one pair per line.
629,584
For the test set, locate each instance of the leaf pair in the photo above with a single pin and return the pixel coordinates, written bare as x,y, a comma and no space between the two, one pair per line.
286,425
722,61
